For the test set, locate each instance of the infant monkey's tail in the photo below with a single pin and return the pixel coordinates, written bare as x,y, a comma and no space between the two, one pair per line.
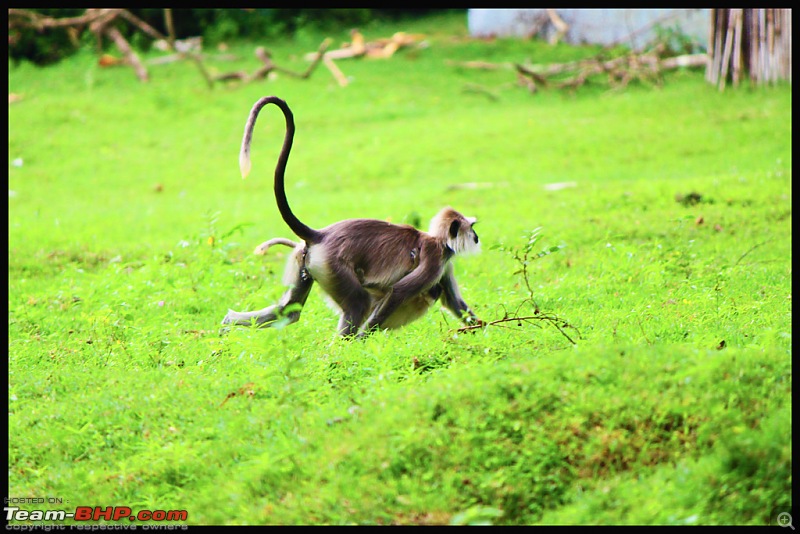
262,248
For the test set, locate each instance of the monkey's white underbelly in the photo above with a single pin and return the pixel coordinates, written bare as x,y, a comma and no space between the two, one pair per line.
409,311
316,263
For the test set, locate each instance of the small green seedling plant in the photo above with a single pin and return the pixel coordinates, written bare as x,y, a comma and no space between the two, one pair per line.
524,256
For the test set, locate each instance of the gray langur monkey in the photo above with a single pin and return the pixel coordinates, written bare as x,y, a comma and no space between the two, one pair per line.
377,274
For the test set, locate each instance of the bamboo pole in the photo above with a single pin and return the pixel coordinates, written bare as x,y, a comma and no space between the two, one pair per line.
760,54
737,47
712,35
726,54
787,32
749,43
770,45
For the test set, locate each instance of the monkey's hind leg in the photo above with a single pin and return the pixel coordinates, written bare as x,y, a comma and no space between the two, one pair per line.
354,300
294,297
299,282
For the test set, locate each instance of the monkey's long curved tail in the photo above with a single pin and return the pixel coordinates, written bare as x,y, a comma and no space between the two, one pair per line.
303,231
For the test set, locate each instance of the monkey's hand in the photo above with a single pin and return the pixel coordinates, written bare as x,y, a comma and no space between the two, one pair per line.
473,323
469,318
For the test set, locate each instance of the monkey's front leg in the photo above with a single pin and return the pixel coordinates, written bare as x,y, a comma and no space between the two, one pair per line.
453,301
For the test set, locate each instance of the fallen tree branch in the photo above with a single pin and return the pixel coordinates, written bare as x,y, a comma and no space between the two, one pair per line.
133,59
100,23
553,320
338,74
319,56
38,21
379,48
142,25
202,68
268,66
619,72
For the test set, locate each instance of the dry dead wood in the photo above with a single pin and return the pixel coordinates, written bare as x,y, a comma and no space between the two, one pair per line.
101,22
337,73
358,47
650,59
98,21
24,17
127,51
268,66
379,48
620,71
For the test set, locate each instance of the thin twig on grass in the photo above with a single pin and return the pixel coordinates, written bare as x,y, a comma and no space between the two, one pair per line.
751,249
553,319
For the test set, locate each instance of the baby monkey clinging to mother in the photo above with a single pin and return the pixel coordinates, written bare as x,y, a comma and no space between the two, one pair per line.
379,275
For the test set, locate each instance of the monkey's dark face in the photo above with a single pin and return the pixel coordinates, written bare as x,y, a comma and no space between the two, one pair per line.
472,221
474,233
465,241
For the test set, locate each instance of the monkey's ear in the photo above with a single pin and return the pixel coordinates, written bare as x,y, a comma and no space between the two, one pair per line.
454,226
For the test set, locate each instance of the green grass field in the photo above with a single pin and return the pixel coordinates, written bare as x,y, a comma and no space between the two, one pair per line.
662,395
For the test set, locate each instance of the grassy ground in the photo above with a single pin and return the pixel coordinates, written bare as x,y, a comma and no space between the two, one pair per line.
131,234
